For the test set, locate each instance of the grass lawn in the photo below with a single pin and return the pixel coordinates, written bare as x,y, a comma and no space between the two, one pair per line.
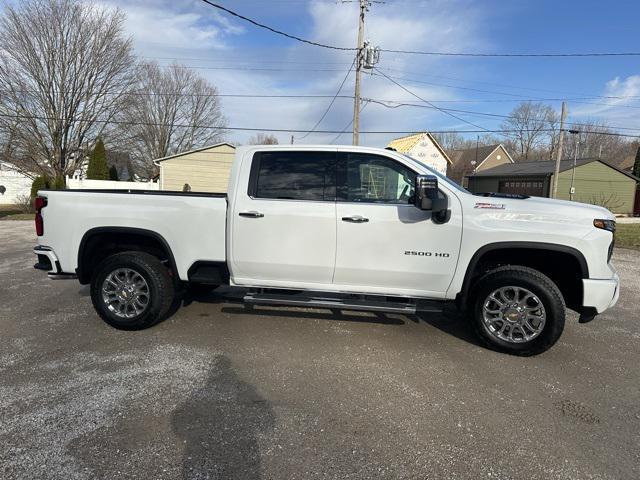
628,235
9,212
17,216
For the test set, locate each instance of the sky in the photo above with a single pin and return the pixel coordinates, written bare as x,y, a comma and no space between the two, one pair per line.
239,58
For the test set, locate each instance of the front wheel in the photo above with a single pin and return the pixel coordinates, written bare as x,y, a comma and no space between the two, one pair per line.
132,290
518,310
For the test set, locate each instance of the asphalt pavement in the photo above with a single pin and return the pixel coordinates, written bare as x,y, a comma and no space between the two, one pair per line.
219,391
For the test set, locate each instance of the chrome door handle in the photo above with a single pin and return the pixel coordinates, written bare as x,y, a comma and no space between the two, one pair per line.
355,219
251,214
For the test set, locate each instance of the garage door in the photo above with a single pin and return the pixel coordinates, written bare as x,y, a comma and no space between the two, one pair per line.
533,188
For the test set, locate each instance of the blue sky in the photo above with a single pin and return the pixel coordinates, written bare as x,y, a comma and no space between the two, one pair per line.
241,59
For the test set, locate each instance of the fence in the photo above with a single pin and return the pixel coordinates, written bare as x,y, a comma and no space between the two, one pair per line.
85,184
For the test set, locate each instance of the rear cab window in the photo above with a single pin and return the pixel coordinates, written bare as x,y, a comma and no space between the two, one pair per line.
293,175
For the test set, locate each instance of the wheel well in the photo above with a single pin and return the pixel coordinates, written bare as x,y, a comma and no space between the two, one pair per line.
100,243
564,267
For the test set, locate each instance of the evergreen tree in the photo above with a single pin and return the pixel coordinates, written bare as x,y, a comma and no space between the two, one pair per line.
113,173
59,183
636,165
39,183
98,168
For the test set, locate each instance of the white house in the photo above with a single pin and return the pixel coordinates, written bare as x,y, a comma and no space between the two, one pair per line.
424,147
12,185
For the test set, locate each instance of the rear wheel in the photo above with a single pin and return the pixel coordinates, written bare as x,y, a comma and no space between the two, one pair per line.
132,290
518,310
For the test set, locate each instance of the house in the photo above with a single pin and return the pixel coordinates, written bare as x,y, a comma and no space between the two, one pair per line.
13,185
423,147
204,169
470,160
594,181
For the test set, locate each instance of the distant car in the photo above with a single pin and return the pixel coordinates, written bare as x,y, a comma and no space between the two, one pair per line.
341,227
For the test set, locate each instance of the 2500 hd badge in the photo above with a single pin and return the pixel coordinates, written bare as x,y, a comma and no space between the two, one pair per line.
426,254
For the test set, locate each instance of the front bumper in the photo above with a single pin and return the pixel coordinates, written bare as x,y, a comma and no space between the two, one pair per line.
48,261
601,295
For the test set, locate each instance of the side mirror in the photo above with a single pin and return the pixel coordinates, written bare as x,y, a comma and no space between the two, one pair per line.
427,196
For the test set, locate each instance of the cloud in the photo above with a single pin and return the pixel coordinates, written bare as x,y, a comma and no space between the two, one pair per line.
204,38
166,25
620,106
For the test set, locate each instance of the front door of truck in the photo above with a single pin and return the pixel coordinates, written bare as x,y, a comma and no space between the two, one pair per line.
384,242
284,225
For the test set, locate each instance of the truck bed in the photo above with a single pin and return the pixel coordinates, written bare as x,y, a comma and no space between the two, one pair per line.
193,223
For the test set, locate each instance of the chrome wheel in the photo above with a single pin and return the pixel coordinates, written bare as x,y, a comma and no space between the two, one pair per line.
125,293
513,314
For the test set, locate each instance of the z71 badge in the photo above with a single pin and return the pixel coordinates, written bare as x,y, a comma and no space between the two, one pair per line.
426,254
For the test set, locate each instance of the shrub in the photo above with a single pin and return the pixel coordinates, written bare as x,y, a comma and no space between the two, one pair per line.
59,183
24,202
113,173
39,183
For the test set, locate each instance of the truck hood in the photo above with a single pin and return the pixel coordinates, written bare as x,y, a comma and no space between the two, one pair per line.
544,209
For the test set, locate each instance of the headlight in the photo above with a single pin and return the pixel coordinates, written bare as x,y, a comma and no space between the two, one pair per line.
609,225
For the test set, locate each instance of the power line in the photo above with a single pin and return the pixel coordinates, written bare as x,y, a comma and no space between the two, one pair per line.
332,100
521,98
428,53
426,101
297,130
516,55
271,29
344,130
321,96
397,104
505,85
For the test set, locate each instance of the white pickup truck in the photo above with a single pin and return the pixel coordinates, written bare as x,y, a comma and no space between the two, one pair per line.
339,228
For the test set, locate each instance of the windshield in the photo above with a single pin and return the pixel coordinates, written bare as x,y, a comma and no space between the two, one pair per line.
446,180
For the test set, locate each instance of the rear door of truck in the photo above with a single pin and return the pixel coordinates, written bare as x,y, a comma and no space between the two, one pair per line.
284,224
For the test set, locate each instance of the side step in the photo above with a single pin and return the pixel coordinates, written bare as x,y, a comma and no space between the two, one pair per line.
341,303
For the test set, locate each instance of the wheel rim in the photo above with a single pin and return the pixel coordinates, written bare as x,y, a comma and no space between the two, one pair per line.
125,292
513,314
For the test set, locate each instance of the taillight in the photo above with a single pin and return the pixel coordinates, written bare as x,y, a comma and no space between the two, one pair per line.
39,204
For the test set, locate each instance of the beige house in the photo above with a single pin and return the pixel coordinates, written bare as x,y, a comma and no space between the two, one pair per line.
423,147
468,161
205,169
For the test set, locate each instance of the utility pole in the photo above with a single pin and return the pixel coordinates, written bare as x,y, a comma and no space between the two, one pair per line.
364,6
563,117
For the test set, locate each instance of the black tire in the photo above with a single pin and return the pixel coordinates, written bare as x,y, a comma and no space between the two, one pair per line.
161,289
538,284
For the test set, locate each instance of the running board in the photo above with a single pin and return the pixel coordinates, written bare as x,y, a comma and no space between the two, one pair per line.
341,303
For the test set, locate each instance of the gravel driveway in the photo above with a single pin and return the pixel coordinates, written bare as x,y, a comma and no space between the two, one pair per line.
218,391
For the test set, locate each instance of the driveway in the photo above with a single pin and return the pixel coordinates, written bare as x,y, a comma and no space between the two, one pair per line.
218,391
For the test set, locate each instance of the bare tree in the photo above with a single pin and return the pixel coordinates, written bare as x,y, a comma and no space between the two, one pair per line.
263,139
531,126
65,68
172,110
594,139
450,141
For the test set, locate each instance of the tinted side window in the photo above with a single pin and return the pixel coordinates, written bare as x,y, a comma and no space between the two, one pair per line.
375,179
295,175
